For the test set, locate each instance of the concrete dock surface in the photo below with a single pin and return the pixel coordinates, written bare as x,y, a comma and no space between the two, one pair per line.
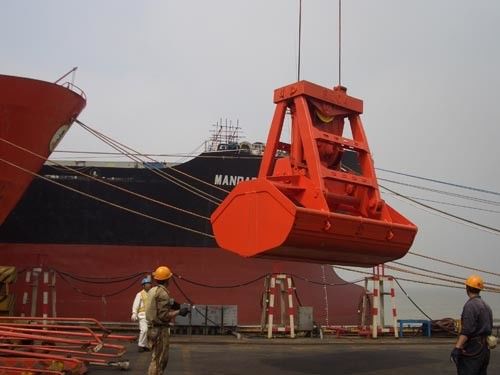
225,355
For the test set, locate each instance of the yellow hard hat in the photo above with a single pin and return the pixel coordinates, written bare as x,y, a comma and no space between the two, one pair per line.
475,281
162,273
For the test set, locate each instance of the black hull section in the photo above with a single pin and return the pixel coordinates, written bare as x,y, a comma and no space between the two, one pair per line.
49,213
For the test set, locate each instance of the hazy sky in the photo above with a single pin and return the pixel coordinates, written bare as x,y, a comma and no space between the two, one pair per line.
157,74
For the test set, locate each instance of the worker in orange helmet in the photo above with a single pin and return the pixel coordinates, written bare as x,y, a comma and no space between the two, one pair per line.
471,353
161,310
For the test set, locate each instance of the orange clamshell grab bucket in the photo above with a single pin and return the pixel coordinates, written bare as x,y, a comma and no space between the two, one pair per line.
305,204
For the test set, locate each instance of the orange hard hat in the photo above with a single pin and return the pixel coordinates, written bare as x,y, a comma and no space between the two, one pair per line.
162,273
475,281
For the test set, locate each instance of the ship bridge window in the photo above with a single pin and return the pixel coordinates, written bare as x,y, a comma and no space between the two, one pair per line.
245,146
258,148
222,147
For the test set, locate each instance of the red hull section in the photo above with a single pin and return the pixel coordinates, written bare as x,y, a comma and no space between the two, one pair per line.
34,115
210,266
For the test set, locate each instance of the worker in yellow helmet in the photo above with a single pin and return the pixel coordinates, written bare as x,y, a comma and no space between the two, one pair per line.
471,353
160,311
139,313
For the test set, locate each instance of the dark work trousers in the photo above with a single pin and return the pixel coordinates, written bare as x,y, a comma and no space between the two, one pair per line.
474,365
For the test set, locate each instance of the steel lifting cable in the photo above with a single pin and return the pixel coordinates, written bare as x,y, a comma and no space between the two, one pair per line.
325,284
220,286
447,203
100,280
433,211
446,215
223,287
490,290
398,269
181,278
193,305
411,300
173,169
181,159
174,180
319,283
404,279
293,276
78,290
182,292
106,182
434,284
487,288
300,40
436,211
441,323
107,202
340,42
441,182
460,278
299,301
462,196
352,270
123,147
452,264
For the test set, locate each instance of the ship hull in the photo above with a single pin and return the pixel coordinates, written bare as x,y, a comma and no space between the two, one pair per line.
93,243
204,275
34,115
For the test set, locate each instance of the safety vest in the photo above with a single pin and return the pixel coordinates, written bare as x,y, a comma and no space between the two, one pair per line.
144,298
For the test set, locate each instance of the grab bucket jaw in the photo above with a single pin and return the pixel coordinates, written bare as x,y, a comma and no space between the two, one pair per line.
307,206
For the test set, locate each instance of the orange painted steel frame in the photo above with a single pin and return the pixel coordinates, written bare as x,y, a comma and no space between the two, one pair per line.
72,344
306,206
9,370
28,360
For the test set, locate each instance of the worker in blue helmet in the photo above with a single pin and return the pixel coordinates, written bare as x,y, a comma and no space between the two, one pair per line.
139,314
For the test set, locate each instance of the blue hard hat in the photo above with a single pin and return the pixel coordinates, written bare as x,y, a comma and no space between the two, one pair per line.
146,280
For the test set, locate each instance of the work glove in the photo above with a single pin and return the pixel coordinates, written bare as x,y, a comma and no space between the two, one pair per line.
176,305
134,317
455,355
184,311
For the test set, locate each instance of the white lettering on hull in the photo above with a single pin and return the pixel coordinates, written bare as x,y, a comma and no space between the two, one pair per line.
227,180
